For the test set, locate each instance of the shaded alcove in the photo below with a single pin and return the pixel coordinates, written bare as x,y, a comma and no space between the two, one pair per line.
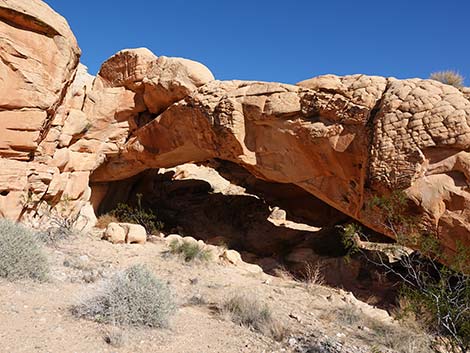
190,206
242,221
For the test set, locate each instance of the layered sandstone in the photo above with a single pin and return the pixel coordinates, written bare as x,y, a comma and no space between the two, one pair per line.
65,135
38,59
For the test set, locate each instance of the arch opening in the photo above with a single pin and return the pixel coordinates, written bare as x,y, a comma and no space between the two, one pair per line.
274,225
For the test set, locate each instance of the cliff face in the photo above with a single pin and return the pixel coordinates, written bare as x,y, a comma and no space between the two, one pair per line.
342,139
38,61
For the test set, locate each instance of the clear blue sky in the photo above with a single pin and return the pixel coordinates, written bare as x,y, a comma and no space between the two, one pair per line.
281,40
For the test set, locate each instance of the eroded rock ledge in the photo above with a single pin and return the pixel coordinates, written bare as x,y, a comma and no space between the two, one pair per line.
342,139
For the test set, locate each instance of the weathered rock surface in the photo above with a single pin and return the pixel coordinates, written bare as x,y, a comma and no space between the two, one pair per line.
118,233
38,57
342,139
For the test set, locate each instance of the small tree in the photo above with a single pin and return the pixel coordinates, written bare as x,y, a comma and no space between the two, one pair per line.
437,285
448,77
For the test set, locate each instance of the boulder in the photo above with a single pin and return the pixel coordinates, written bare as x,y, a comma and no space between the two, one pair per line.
136,233
232,256
172,238
115,233
160,81
127,233
301,255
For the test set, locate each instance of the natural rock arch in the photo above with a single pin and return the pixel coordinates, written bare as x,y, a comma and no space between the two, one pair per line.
342,139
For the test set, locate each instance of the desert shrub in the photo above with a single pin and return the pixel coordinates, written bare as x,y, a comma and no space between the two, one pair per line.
248,311
436,285
54,221
190,251
134,297
59,228
440,298
448,77
21,256
139,215
103,220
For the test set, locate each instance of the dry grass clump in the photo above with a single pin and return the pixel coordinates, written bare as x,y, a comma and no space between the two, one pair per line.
405,337
116,337
134,297
21,256
190,251
312,275
283,273
103,220
349,316
448,77
248,311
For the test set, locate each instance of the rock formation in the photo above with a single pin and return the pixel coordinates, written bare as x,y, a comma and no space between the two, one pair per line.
39,57
65,135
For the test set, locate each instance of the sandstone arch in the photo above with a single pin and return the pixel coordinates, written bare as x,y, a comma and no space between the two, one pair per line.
342,139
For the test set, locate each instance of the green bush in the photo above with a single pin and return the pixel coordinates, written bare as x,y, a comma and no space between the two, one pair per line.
139,215
134,297
448,77
21,256
436,284
190,250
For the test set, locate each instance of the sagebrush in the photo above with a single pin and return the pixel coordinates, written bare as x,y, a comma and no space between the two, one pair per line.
21,256
134,297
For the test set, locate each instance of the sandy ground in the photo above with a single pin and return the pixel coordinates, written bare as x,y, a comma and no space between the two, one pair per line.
36,317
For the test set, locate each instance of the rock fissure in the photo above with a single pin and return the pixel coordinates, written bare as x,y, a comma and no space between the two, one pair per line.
23,21
370,126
